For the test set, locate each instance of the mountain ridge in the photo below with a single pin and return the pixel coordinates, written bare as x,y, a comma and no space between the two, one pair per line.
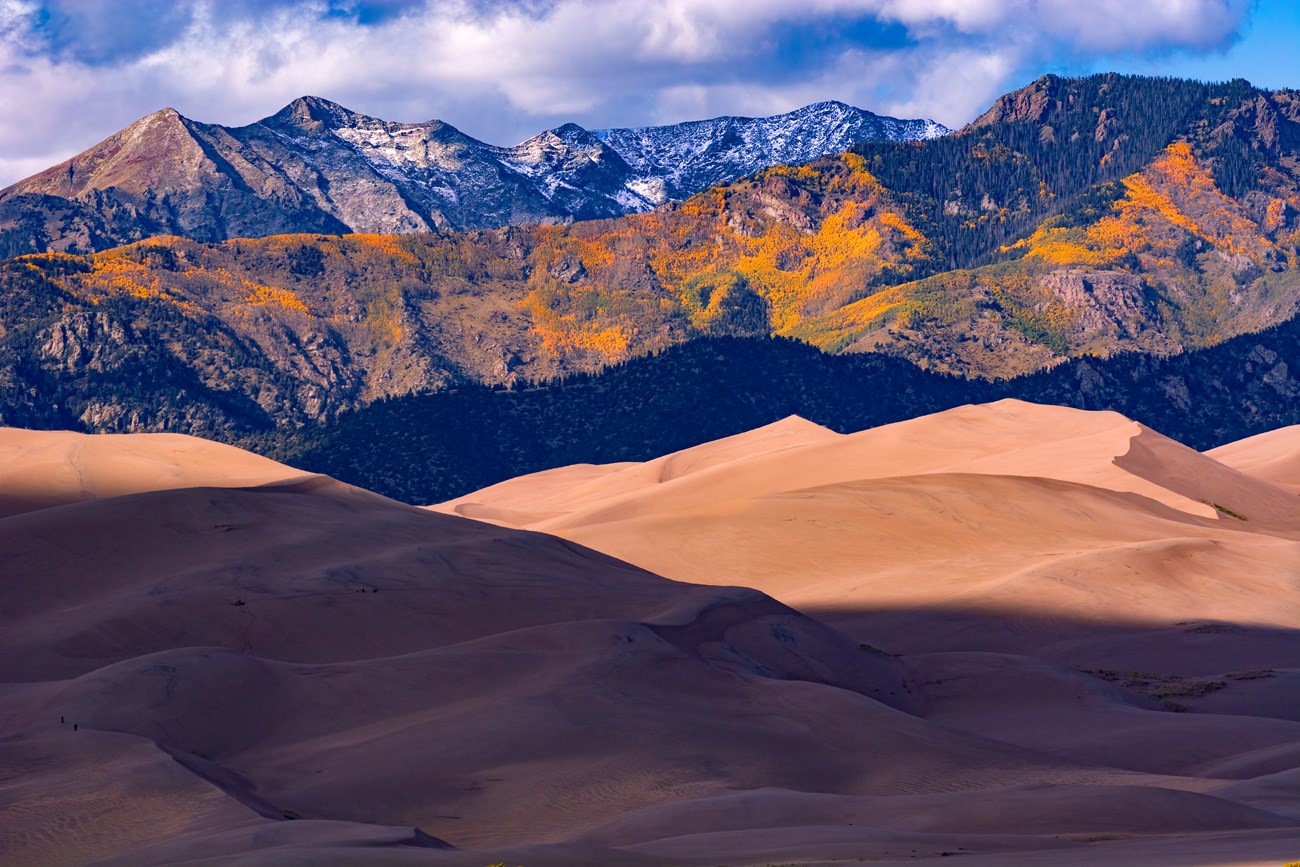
316,165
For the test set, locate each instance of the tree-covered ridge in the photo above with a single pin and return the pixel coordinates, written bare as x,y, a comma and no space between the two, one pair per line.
1175,191
760,256
1044,150
440,446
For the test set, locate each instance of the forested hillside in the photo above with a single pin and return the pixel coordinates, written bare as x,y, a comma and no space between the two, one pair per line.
440,446
1077,218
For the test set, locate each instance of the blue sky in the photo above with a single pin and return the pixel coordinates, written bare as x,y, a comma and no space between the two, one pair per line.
1265,51
74,71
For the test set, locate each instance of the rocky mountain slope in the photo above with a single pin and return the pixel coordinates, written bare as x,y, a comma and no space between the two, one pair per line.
696,155
315,166
131,363
1078,218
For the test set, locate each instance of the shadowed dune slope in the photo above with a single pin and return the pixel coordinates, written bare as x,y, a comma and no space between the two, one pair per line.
210,658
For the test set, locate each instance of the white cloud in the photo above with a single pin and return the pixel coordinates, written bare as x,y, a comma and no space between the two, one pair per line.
1094,25
504,71
1108,26
967,16
963,83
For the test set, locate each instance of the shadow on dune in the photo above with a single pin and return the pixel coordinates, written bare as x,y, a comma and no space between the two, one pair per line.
1188,648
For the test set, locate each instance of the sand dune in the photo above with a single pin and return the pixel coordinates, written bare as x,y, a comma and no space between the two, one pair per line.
50,468
270,668
1273,457
1011,438
1056,579
1042,810
1041,512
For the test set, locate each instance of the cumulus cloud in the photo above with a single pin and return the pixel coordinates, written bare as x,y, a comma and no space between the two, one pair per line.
73,71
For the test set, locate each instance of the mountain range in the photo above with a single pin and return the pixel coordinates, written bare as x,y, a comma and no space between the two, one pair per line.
1076,219
316,166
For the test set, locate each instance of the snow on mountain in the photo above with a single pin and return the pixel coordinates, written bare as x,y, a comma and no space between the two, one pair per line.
317,166
695,155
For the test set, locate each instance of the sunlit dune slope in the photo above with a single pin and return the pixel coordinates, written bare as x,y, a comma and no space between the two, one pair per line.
1273,457
1010,438
49,468
1009,506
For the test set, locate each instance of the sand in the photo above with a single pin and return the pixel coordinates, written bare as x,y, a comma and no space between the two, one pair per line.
1019,634
1031,517
1273,457
50,468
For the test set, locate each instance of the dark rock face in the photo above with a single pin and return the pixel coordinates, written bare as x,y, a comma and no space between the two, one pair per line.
315,166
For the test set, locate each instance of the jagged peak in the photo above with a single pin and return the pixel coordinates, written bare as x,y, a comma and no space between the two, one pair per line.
821,107
162,117
570,134
313,112
932,128
813,109
828,105
1033,102
1048,94
573,134
318,104
570,129
165,122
